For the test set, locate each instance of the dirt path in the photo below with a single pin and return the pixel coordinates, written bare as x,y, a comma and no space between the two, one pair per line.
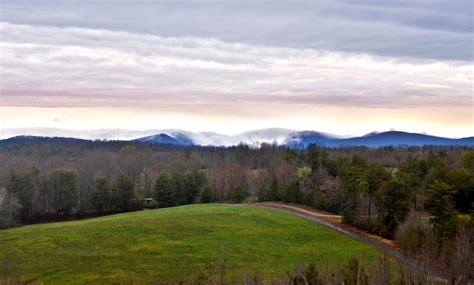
301,209
331,218
333,222
325,219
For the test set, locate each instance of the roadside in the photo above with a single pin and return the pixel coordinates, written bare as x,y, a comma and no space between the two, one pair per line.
334,222
331,218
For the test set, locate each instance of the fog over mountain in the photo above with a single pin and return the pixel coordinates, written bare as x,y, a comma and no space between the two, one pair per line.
273,135
292,138
161,136
110,134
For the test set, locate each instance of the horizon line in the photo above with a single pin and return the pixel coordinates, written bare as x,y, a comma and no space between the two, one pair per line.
140,133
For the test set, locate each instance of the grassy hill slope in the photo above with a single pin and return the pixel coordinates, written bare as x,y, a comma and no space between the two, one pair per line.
174,244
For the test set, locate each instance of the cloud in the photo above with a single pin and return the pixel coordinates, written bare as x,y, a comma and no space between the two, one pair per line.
437,29
46,66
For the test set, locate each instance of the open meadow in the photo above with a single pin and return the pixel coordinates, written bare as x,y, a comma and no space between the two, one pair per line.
178,244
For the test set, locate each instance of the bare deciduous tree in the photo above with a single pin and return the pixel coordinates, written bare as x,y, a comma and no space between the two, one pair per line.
9,207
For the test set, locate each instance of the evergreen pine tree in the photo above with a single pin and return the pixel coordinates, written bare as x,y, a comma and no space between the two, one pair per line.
165,191
441,205
123,192
206,195
101,194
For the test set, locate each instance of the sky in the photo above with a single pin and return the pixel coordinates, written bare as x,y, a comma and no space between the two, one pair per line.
340,67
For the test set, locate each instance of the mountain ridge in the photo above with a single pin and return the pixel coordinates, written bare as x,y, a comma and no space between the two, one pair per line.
288,137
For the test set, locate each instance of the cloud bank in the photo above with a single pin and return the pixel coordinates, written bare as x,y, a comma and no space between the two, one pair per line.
337,66
436,29
75,67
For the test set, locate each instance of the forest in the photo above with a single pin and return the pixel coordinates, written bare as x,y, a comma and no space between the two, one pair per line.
423,197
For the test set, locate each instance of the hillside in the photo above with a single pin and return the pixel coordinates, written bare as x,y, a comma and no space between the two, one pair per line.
291,138
174,244
396,138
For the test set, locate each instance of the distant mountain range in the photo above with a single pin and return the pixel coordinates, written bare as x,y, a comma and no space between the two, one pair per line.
304,138
295,139
391,138
174,138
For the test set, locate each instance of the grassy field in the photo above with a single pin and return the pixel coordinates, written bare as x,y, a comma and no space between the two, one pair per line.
174,244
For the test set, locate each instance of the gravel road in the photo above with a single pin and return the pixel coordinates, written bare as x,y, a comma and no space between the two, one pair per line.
319,218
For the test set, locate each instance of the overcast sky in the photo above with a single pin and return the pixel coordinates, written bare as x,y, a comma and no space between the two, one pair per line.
342,67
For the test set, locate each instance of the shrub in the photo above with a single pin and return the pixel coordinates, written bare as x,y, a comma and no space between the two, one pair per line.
311,275
354,273
349,215
206,195
412,234
239,194
251,199
153,204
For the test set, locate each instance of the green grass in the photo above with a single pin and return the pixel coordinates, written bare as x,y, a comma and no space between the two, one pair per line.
174,244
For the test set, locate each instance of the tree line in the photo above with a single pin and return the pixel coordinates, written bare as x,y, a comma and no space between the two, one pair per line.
31,197
370,187
378,197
